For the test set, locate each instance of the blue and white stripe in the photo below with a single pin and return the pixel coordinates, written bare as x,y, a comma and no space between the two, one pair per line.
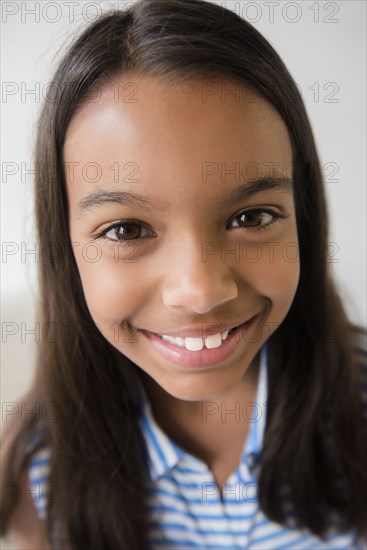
185,504
38,479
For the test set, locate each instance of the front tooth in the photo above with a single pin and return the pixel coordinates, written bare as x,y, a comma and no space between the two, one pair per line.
194,344
213,341
197,344
180,341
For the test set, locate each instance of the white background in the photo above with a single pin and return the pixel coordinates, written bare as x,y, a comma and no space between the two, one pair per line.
322,44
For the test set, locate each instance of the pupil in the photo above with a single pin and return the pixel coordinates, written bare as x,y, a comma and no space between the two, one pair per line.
251,218
130,231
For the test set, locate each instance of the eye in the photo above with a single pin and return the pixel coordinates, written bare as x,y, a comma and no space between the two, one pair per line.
126,231
255,220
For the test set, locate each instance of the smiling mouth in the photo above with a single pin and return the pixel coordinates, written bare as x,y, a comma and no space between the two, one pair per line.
211,341
194,349
196,344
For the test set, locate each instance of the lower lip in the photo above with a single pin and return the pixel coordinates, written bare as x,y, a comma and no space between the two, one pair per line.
203,358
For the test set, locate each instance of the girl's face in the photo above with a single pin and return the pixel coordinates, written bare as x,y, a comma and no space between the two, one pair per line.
183,224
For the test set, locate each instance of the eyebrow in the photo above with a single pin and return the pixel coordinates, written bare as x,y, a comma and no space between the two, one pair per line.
243,192
124,198
247,190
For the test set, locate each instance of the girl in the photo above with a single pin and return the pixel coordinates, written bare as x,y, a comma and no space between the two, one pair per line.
208,384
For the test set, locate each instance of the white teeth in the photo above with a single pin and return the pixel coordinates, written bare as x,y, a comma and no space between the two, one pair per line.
178,341
168,339
197,344
213,341
194,344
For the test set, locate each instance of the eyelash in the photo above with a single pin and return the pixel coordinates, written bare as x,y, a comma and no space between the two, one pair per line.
102,234
275,217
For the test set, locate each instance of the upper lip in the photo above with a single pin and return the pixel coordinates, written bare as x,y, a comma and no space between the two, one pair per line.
206,329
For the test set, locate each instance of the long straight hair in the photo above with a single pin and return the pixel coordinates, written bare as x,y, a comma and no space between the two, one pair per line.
314,435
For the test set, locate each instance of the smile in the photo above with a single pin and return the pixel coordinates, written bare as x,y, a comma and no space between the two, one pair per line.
195,349
196,344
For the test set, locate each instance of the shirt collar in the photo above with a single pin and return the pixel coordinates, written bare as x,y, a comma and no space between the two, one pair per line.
164,454
258,420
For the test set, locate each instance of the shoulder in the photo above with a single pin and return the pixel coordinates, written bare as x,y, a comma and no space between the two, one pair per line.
38,477
25,527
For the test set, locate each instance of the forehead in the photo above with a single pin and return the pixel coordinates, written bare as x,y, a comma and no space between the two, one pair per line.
172,133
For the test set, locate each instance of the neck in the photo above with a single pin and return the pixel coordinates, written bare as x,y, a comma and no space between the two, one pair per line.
193,426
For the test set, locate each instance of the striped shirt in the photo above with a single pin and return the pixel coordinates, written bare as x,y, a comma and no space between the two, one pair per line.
186,508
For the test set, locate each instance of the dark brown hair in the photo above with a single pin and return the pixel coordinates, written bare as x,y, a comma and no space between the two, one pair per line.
314,442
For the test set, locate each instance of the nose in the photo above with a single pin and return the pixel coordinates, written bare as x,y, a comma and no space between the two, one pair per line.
197,283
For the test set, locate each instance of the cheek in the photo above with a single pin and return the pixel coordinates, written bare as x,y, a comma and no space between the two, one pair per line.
112,291
281,281
273,272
